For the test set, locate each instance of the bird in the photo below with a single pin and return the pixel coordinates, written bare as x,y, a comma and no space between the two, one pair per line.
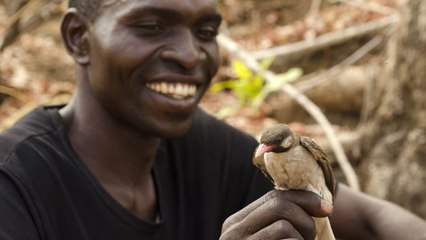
296,162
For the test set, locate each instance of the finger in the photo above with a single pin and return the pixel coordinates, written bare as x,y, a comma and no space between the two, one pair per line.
309,201
278,208
281,229
240,215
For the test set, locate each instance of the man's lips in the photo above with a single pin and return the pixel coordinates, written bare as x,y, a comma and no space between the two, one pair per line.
175,90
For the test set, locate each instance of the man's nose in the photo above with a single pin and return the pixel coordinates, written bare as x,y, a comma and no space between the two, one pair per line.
185,50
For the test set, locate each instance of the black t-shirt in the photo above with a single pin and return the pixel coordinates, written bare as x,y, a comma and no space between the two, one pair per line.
46,192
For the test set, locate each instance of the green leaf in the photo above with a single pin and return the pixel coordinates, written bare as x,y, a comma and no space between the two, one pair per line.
240,69
258,82
251,89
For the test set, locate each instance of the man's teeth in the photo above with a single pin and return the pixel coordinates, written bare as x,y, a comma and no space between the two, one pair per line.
175,90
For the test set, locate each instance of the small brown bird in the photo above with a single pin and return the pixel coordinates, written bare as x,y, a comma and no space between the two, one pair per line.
296,162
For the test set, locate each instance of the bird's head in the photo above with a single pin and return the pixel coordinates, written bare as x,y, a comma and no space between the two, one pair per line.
278,138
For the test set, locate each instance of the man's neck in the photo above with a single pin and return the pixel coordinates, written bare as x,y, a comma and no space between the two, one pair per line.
107,148
119,158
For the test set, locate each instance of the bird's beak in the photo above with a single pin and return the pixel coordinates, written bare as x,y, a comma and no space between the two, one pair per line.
261,149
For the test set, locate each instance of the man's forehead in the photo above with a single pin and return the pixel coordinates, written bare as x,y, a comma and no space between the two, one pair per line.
182,7
106,3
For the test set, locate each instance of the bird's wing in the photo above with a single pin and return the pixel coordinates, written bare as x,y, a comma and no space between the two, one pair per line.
260,163
322,161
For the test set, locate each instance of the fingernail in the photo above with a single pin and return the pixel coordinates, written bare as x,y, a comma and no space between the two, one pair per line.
326,206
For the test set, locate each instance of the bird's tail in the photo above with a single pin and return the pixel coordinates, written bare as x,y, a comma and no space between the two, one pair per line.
323,227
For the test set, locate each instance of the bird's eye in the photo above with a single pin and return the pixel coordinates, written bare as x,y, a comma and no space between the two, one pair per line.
287,143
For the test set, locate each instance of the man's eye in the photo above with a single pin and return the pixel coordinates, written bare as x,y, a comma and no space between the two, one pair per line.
207,33
149,27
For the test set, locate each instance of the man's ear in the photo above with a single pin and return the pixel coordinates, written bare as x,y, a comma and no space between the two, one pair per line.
74,30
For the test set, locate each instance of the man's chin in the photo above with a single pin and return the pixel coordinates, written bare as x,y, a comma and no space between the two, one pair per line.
176,132
174,129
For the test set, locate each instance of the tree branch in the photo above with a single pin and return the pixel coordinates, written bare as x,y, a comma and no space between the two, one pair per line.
326,39
13,26
369,6
315,7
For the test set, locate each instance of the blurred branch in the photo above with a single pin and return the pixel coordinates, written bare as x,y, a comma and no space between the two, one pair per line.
327,39
368,102
12,24
369,6
13,27
13,93
315,6
17,15
46,12
233,47
30,105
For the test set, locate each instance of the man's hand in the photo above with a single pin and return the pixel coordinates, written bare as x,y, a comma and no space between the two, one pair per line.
277,215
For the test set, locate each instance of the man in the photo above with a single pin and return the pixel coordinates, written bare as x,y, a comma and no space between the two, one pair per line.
132,157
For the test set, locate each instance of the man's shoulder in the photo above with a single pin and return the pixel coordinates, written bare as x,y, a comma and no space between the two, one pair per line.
25,133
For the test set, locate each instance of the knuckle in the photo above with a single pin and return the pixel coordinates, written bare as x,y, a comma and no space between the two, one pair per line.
280,194
281,207
226,236
271,195
228,222
283,225
228,225
310,224
310,230
234,233
285,229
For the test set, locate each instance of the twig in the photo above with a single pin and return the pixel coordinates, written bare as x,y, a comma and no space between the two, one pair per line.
13,28
315,7
369,6
45,13
13,93
368,99
326,39
16,16
231,46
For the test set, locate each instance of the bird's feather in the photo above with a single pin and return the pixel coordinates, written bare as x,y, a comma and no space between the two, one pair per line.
322,161
260,164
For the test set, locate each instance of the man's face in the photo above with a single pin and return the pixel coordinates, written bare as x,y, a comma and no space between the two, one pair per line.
152,60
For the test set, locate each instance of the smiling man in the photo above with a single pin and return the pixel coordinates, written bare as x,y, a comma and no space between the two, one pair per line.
131,156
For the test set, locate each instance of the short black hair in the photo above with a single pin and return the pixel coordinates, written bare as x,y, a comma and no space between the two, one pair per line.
88,8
